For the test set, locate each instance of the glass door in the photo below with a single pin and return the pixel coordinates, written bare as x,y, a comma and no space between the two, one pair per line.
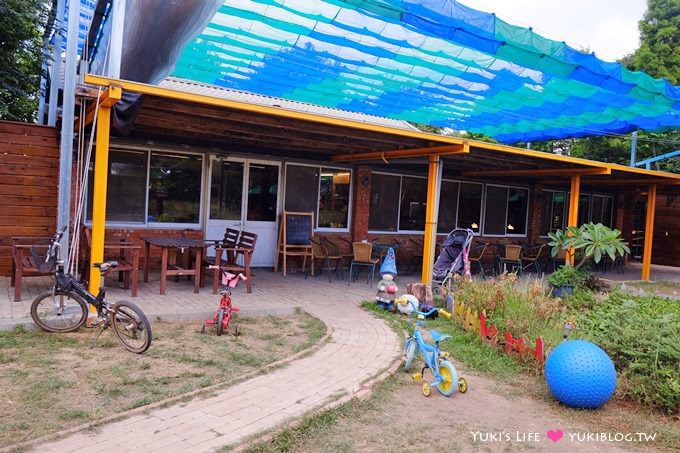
244,195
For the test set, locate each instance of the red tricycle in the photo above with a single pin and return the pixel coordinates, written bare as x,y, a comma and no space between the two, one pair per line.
225,309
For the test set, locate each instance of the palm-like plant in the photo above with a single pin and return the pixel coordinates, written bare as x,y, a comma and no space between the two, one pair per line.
591,240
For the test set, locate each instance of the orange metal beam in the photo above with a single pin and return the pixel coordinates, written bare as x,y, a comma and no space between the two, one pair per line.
430,239
402,153
649,233
539,172
636,182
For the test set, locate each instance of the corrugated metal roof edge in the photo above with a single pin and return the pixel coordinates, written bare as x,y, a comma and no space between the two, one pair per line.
247,96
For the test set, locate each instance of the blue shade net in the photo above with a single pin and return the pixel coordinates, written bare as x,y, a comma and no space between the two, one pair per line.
434,62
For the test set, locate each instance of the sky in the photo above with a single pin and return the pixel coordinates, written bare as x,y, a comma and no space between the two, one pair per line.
607,27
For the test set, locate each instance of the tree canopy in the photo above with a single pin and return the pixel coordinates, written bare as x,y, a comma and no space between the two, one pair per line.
22,24
659,52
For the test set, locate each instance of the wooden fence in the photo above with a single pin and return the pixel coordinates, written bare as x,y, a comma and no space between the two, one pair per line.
29,170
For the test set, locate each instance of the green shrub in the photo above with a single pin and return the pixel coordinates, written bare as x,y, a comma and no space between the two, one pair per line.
567,276
642,336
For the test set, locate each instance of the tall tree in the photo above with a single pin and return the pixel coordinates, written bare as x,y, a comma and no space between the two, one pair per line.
22,24
659,52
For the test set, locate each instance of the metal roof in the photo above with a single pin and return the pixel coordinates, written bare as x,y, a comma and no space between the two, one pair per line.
204,89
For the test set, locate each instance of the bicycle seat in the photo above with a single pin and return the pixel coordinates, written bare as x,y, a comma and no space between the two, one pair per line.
105,266
438,336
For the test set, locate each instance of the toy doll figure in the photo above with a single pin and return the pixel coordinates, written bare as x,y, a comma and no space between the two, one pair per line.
387,288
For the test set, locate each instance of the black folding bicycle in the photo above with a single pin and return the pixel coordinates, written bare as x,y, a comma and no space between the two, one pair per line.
64,308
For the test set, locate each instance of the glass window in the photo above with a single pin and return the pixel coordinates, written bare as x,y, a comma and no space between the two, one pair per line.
174,188
384,202
412,209
470,206
448,206
263,189
518,202
607,211
559,211
546,212
226,190
583,209
596,216
333,198
495,210
302,186
126,187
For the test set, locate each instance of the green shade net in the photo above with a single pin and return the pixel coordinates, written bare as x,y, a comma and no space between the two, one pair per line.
433,62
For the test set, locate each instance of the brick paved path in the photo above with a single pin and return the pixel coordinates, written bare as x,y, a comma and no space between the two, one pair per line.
360,347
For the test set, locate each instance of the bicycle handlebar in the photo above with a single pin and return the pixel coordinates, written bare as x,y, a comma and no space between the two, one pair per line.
434,310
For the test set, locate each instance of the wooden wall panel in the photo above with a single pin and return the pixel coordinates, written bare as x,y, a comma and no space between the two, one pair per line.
29,171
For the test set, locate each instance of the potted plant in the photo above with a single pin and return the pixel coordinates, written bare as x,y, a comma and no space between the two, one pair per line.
565,279
590,241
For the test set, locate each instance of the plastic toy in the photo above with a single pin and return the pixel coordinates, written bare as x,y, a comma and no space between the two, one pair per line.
404,303
225,309
387,292
580,374
446,377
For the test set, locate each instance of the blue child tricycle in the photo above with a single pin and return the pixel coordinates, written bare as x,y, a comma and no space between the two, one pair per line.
446,377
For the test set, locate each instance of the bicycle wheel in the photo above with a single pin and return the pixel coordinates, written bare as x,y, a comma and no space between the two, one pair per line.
410,351
131,326
59,312
449,382
220,321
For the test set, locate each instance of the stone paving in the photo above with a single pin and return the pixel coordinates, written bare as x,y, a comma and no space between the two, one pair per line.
360,347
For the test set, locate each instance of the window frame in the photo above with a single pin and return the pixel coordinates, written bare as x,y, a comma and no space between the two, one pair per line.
156,225
526,214
350,200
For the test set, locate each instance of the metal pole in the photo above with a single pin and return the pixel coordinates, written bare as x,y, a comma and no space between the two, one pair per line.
633,148
649,233
116,39
432,209
67,121
56,64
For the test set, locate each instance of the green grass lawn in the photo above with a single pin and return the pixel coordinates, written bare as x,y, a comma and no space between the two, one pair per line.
50,382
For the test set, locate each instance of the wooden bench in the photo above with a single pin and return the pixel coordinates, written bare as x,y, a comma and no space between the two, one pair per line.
232,256
23,262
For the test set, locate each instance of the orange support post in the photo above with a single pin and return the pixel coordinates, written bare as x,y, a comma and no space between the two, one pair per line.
572,219
649,233
433,183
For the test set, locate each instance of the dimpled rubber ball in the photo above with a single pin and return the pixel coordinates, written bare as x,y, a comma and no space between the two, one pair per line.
580,374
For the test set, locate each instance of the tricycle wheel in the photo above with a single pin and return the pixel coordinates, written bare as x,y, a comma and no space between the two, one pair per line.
410,353
462,385
425,387
220,320
449,378
203,327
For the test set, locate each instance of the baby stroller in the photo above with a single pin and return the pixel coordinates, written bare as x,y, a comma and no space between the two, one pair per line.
452,260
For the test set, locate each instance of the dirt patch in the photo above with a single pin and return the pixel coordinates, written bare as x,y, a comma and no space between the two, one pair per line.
50,382
491,416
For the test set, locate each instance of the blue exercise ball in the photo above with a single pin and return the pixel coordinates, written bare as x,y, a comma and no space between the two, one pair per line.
580,374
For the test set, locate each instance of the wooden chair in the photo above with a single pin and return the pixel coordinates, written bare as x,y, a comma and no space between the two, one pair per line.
329,260
363,252
121,249
475,256
242,254
532,255
511,256
417,257
560,258
228,242
23,262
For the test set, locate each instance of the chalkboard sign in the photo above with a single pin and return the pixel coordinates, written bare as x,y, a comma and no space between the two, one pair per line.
298,228
295,238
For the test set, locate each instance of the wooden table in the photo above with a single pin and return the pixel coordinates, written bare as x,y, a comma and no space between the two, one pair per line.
181,244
